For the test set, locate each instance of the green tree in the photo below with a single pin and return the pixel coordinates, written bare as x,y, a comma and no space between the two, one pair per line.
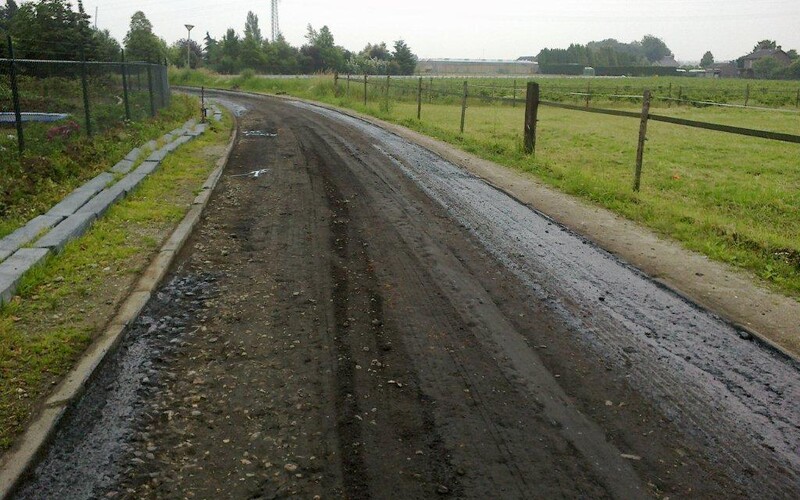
707,60
321,52
765,44
654,48
405,59
177,53
106,47
766,67
793,55
48,29
252,30
141,44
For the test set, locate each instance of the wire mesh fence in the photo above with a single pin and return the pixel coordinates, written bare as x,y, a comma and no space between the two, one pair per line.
67,97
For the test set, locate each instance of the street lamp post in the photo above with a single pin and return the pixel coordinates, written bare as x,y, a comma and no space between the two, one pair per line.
189,45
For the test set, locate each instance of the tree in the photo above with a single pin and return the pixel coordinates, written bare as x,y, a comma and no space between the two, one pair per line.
106,47
378,52
766,67
765,44
405,59
321,52
141,44
251,29
793,55
177,53
707,60
654,48
48,29
230,50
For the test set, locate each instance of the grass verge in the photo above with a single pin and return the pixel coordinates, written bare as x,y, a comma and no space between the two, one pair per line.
735,199
61,306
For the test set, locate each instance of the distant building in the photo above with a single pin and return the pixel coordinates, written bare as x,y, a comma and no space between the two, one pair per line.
778,54
667,62
724,69
487,67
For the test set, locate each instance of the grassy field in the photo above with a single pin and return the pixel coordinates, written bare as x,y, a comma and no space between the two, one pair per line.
63,305
735,199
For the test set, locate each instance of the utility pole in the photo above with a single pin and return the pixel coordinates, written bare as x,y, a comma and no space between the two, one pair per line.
276,29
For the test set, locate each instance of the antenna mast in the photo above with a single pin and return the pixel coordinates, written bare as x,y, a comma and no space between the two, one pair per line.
276,30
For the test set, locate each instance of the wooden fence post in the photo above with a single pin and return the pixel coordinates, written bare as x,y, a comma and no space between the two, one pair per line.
388,85
747,95
531,117
637,181
348,85
15,97
797,99
669,96
588,93
464,107
419,100
430,91
336,84
365,89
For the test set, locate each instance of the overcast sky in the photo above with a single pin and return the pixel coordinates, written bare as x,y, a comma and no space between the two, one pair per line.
497,29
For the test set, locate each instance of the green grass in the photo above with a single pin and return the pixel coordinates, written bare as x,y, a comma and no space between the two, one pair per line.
735,199
50,169
62,305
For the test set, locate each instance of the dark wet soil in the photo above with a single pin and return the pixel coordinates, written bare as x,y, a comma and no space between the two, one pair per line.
345,325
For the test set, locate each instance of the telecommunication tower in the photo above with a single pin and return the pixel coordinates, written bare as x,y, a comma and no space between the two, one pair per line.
276,30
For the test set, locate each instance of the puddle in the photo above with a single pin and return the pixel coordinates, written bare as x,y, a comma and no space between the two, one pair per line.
258,133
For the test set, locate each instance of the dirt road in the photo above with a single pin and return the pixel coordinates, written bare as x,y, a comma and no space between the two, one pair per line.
362,319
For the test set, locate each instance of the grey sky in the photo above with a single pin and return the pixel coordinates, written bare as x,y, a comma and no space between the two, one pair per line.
502,29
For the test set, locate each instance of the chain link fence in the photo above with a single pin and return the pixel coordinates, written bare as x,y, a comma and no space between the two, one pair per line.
47,97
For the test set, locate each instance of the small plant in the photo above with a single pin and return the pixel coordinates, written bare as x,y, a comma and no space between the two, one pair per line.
63,131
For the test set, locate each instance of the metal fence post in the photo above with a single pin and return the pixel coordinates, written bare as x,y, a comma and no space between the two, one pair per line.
419,100
365,89
388,85
531,117
15,97
642,138
150,89
202,104
464,106
165,83
85,87
514,95
125,87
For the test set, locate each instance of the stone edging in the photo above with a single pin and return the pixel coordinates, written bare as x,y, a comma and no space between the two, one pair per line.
30,446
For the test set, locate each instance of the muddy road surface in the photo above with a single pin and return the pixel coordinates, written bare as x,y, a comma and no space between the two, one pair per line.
357,318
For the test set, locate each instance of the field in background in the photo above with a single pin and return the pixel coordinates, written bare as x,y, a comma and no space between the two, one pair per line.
735,199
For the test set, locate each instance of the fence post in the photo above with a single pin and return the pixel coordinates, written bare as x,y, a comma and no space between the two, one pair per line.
336,84
348,86
588,93
669,96
387,92
85,88
365,89
464,107
202,104
514,95
531,117
430,92
165,83
642,138
680,94
125,86
15,97
419,100
747,94
150,89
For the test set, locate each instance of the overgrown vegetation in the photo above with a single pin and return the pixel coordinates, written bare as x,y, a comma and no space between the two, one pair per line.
735,199
59,158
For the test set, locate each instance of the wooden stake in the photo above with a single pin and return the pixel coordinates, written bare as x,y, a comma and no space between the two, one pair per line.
464,107
531,117
642,138
419,100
